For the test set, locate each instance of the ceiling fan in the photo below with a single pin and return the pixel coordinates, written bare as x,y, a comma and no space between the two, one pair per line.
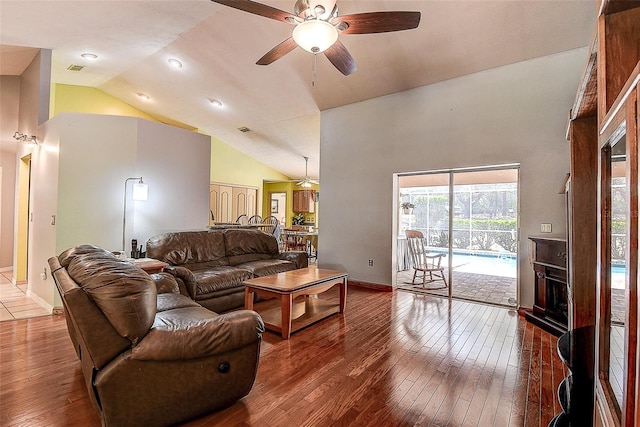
306,182
317,25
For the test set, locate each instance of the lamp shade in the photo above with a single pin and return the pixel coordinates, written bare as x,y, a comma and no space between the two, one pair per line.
315,36
140,191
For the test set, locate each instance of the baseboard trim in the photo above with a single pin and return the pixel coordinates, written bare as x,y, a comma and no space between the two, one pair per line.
368,285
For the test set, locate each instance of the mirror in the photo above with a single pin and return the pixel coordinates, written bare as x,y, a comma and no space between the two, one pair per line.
618,228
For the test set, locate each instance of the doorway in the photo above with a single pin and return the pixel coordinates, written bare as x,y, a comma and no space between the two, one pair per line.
471,216
278,206
22,243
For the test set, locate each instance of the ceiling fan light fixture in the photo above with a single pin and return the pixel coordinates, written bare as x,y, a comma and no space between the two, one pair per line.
315,35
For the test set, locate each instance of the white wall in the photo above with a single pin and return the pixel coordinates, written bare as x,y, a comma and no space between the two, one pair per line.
175,164
78,175
513,114
42,205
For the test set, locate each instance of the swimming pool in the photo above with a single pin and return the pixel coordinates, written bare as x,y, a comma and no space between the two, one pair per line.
501,264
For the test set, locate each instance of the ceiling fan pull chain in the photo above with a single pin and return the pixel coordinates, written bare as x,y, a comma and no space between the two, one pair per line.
314,73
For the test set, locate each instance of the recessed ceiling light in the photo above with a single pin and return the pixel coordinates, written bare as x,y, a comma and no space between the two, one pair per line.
89,56
144,96
216,103
175,63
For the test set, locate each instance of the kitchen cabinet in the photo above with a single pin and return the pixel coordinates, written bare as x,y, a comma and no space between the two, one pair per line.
304,201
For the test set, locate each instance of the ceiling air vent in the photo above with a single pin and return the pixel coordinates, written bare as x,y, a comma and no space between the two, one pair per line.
244,129
75,67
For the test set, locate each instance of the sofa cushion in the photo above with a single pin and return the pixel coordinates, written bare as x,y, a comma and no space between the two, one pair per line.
188,247
124,293
216,279
244,245
266,267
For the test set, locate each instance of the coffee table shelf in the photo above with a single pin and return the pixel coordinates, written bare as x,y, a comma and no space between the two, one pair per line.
306,311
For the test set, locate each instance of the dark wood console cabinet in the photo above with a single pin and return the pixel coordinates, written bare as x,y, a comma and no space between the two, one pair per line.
550,304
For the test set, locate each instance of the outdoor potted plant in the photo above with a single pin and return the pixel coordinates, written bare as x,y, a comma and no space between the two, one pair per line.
407,207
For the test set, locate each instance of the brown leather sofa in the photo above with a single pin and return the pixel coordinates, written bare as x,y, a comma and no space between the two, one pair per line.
150,355
212,264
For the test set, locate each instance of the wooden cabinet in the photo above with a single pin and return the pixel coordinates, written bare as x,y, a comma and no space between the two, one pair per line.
550,306
228,202
603,263
304,201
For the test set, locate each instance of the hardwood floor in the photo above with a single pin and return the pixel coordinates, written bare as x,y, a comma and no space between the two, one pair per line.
393,359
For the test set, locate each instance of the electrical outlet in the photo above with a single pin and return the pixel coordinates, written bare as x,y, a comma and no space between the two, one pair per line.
545,228
370,263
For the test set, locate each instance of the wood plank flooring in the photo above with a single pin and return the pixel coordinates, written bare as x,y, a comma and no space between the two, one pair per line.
392,359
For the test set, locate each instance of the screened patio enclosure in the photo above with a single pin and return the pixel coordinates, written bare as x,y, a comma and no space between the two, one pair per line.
472,217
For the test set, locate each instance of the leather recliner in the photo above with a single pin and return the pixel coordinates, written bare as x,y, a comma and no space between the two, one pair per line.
150,355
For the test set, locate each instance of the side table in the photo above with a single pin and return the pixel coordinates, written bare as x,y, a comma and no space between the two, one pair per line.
149,265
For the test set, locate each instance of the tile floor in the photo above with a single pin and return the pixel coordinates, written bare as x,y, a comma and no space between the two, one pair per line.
14,302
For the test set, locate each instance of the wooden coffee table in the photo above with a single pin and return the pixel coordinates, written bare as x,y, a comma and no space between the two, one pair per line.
289,285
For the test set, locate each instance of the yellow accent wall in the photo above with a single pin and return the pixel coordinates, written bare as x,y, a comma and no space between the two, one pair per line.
85,99
286,187
231,166
22,219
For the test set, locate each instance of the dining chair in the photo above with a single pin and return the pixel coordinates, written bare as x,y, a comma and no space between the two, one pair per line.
242,220
293,241
256,219
424,263
273,222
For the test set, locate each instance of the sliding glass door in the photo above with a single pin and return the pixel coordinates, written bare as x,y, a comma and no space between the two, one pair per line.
484,255
472,217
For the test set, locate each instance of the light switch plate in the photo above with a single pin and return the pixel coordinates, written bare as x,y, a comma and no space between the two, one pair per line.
545,228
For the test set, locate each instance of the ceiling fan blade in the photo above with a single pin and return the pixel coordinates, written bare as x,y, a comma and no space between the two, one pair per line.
257,9
378,22
277,52
341,58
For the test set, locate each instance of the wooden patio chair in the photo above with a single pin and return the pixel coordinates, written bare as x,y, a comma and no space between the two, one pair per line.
423,262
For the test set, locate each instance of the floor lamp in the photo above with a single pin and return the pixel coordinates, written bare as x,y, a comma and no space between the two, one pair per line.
140,191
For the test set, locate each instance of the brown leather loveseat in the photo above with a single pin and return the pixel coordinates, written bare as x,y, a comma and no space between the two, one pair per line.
150,355
213,264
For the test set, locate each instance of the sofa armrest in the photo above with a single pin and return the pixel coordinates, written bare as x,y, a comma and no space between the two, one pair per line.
301,258
195,332
165,283
184,277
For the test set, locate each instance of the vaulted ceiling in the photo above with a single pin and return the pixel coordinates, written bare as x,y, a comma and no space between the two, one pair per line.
218,47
